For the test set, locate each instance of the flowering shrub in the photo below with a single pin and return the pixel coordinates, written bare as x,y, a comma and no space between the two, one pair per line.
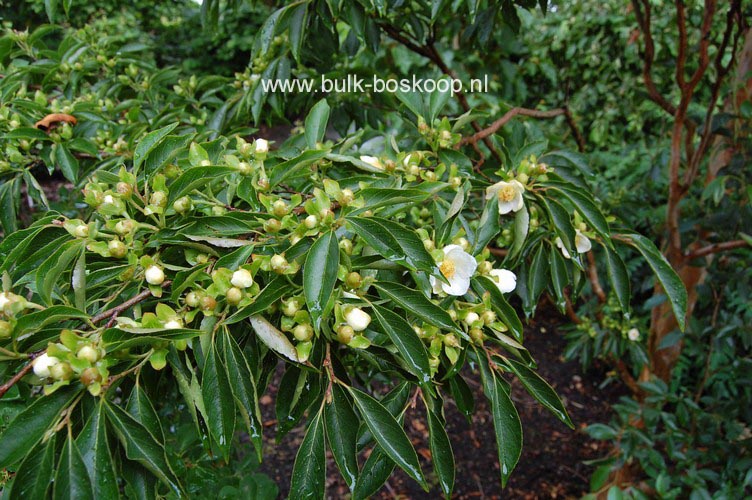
199,258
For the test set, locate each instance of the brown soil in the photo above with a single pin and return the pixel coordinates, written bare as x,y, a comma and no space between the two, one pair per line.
551,465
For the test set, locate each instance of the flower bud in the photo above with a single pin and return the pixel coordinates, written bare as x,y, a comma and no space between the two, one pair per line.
90,376
81,231
346,197
488,317
125,226
158,199
174,324
88,353
154,275
357,319
353,280
242,278
471,318
278,263
311,221
124,189
450,340
61,371
346,245
476,335
182,205
303,333
234,296
192,299
345,334
5,329
208,303
279,208
261,146
272,226
117,249
290,307
43,364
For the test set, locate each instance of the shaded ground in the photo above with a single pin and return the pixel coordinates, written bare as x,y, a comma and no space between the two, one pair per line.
551,465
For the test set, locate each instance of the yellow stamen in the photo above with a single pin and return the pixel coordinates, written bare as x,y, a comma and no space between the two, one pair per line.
506,194
447,268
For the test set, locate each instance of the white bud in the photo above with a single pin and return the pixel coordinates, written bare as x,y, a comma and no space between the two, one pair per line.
262,146
42,365
173,324
154,275
471,318
358,319
634,334
242,279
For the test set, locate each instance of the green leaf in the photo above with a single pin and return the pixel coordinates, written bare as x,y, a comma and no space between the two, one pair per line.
538,275
124,338
276,289
438,100
298,20
377,469
218,398
394,242
619,278
389,435
500,305
668,278
540,390
50,7
195,177
67,162
95,452
341,432
488,226
559,277
39,319
30,426
320,276
34,476
309,471
141,446
282,171
315,123
72,478
521,228
414,302
273,338
58,263
8,202
148,143
507,426
165,151
243,388
28,133
441,453
561,222
586,207
140,407
409,345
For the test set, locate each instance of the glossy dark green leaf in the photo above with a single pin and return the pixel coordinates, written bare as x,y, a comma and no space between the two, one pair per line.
272,292
618,277
165,151
488,226
389,435
28,133
141,408
463,396
148,143
500,305
67,163
125,337
409,345
243,388
377,469
218,400
72,478
586,206
315,123
666,275
141,446
441,453
34,476
394,241
540,390
320,276
537,275
37,320
95,453
290,168
309,471
418,304
195,177
30,426
561,222
521,228
52,269
9,196
559,277
341,432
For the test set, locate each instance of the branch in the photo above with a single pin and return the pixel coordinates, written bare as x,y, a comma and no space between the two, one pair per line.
18,376
595,282
716,248
112,313
495,126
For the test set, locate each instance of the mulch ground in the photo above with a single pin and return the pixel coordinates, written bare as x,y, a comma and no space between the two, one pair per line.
551,465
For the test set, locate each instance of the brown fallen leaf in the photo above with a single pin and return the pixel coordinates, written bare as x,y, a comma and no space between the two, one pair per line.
50,121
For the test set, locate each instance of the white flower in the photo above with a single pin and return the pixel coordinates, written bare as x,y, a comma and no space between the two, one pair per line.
3,300
581,242
154,275
457,267
173,324
242,279
634,334
358,319
509,195
505,280
262,146
471,318
373,161
42,365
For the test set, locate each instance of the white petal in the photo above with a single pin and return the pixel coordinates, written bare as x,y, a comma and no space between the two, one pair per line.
458,286
492,190
505,280
464,263
358,319
449,248
582,242
436,285
506,206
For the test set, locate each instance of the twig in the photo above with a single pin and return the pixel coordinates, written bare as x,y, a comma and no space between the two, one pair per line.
495,126
595,282
716,248
112,313
21,374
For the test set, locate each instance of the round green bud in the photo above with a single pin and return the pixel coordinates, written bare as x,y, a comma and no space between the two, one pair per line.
353,280
117,249
272,226
345,334
234,295
278,263
182,205
303,333
125,226
158,199
208,303
476,335
488,317
279,208
192,299
346,245
91,376
61,371
124,189
310,222
88,353
5,329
